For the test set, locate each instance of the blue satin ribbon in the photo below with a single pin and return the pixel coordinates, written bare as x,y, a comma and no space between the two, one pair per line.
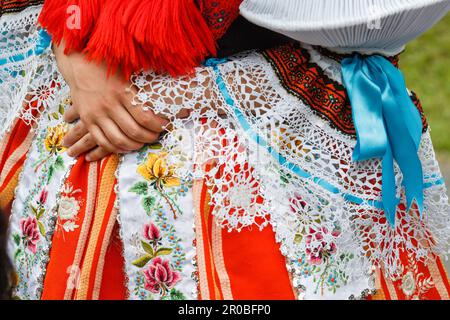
298,171
388,126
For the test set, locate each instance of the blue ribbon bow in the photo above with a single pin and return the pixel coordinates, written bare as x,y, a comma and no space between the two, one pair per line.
388,126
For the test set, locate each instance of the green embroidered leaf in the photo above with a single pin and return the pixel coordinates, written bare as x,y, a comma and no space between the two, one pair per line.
41,212
140,188
142,261
284,179
155,146
176,295
51,172
16,238
148,203
148,248
163,252
55,116
41,228
34,210
59,163
61,109
17,254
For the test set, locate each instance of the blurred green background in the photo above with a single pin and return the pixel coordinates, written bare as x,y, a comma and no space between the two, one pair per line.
426,65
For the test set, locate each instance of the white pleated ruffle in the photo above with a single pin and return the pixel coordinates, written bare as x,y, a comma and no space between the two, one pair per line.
383,26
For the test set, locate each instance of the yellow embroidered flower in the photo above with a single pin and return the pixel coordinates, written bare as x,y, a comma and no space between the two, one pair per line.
155,169
55,136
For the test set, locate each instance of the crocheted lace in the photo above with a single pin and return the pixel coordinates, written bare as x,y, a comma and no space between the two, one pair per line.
269,159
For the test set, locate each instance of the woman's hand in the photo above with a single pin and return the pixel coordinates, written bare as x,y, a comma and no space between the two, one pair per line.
103,104
84,144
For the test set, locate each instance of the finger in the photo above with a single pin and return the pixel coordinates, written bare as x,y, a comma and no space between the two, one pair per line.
101,139
75,134
117,138
71,115
85,144
147,119
97,154
131,128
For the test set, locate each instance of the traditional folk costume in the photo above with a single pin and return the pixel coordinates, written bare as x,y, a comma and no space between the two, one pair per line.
303,171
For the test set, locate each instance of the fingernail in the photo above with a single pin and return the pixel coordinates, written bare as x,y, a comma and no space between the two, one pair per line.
88,158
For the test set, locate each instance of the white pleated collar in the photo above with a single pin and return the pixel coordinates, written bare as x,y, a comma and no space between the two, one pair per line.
348,25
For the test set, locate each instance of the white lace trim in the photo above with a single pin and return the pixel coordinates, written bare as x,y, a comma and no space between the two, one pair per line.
19,37
250,187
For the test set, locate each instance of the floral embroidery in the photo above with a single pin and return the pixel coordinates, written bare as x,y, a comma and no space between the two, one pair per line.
68,209
159,277
408,284
327,274
317,250
220,14
30,233
54,148
53,141
414,283
37,217
159,253
152,249
156,170
320,260
38,210
11,6
160,175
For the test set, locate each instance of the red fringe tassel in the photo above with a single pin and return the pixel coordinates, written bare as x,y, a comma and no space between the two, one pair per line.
163,35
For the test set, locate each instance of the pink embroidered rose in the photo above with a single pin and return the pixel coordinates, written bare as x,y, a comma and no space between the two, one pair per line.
151,232
317,248
160,277
31,236
43,197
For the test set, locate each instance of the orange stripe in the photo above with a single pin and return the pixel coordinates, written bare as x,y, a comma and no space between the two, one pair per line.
4,146
213,290
14,139
438,280
104,247
103,209
7,194
384,285
444,274
213,278
198,196
380,291
14,148
219,262
16,157
103,236
90,197
17,168
68,247
113,286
